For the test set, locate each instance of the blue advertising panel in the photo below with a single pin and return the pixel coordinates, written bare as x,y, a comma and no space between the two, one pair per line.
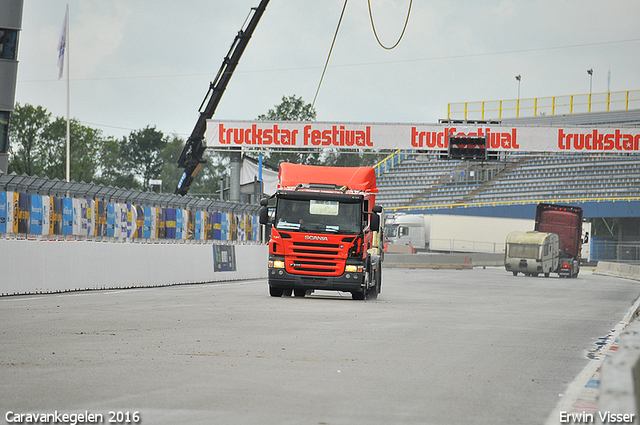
3,212
146,233
179,224
111,219
67,216
199,229
35,215
216,226
170,223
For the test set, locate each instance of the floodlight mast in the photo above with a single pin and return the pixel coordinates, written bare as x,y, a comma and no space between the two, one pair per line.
191,157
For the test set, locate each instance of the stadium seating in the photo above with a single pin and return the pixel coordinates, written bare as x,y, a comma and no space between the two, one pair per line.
423,179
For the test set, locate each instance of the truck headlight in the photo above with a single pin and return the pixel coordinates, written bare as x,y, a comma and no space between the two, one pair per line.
352,268
276,264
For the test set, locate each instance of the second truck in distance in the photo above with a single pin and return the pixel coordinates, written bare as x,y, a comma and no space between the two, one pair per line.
555,245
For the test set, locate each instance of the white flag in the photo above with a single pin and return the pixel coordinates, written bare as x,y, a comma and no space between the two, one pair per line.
62,44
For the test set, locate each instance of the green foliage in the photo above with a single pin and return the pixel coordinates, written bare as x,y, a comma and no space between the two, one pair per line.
140,154
25,138
291,108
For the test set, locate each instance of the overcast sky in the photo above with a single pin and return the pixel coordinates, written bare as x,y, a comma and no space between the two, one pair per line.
135,63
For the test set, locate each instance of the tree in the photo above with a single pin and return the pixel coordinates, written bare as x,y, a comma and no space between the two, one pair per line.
38,145
112,171
140,154
85,146
25,138
291,108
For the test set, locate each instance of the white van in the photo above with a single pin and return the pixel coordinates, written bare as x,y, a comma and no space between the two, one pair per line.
532,253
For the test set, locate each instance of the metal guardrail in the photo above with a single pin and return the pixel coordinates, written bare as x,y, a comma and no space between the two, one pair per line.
539,106
42,209
43,186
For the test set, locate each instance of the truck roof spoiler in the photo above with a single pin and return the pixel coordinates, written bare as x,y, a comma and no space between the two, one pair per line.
322,186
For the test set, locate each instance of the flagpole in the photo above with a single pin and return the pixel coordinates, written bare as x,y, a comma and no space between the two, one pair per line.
68,115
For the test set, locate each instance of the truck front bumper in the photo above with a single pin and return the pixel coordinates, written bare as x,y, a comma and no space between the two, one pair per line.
347,282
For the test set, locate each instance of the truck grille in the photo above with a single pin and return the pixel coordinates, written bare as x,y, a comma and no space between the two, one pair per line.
315,257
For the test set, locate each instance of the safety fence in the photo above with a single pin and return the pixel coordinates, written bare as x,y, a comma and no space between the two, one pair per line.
540,106
43,209
615,251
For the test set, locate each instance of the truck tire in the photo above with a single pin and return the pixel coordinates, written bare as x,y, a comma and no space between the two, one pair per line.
361,295
358,295
377,277
275,292
299,293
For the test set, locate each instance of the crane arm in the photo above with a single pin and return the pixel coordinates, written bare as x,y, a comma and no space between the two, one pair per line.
191,157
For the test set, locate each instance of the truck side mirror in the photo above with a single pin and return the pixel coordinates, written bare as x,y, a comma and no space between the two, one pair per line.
377,209
264,202
264,214
375,222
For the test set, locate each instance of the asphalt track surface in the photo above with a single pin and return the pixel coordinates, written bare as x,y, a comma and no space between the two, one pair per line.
473,346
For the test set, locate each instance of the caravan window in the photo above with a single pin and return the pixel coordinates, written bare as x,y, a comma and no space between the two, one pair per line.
523,251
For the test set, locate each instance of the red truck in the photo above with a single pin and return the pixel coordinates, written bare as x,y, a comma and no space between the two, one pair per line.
566,222
325,231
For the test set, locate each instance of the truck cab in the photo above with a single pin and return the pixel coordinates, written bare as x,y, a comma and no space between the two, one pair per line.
324,231
566,222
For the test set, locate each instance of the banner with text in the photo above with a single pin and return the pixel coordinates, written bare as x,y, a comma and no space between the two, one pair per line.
305,134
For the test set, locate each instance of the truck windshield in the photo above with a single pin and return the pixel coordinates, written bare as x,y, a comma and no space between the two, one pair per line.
523,251
391,231
320,216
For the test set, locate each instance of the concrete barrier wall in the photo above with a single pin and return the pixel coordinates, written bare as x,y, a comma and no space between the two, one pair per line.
627,271
620,374
30,267
443,260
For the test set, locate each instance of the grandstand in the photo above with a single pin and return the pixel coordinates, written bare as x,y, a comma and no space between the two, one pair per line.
427,180
605,185
418,179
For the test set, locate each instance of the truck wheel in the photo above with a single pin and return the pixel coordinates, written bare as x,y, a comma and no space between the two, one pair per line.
358,295
275,292
287,292
299,293
547,274
372,294
515,273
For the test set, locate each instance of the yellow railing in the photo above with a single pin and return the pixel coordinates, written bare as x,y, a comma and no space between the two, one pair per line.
518,202
390,161
540,106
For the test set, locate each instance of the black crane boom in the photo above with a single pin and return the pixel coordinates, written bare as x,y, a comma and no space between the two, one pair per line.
191,157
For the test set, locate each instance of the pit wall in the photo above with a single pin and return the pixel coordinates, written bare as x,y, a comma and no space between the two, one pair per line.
38,266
